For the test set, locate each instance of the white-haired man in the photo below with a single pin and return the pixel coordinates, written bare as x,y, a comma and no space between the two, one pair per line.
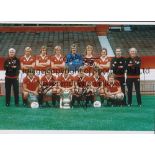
133,63
12,67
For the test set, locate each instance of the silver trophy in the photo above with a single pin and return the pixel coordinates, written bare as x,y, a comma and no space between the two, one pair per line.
65,99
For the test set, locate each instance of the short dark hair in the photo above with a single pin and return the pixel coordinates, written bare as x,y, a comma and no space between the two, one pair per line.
104,49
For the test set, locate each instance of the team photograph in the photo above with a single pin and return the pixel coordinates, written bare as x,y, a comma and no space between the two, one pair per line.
77,77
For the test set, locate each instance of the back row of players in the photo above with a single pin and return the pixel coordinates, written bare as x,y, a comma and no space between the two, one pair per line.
90,77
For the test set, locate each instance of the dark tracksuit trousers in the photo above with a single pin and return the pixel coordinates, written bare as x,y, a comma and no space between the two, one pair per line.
9,82
122,83
136,83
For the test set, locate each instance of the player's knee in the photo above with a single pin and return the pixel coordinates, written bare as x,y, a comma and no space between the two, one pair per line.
25,95
120,96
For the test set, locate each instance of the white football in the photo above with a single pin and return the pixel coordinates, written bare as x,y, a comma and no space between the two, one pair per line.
34,105
97,104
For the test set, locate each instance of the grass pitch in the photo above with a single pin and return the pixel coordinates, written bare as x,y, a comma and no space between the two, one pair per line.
104,118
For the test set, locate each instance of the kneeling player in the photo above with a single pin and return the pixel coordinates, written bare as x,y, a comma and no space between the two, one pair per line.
113,91
79,86
30,87
56,94
47,83
98,82
66,85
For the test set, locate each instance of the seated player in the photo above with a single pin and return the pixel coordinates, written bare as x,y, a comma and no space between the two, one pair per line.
46,85
57,61
56,91
27,61
79,85
89,59
89,93
98,82
85,90
73,59
42,60
103,62
66,82
30,86
113,90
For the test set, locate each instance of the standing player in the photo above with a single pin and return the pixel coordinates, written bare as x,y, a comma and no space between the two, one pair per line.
42,60
27,61
103,62
89,59
73,59
46,85
57,61
118,68
12,67
133,63
113,90
30,86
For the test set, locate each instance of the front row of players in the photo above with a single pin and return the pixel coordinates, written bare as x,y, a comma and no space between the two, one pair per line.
66,90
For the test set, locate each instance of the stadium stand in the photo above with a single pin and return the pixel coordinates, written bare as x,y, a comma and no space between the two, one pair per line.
144,41
19,40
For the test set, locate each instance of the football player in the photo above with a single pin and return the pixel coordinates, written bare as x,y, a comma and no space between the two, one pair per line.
66,83
103,62
42,60
30,85
89,60
113,91
57,61
66,80
46,85
73,59
27,61
98,82
80,81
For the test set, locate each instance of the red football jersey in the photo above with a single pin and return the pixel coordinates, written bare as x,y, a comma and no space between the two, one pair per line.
112,87
89,63
81,81
31,84
27,61
48,82
97,82
42,60
65,82
103,61
57,60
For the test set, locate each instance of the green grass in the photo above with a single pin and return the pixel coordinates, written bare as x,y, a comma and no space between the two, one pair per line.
105,118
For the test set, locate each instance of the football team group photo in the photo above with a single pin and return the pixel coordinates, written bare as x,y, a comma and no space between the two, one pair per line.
85,77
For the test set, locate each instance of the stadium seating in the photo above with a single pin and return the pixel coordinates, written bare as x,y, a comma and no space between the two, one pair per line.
19,40
144,41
